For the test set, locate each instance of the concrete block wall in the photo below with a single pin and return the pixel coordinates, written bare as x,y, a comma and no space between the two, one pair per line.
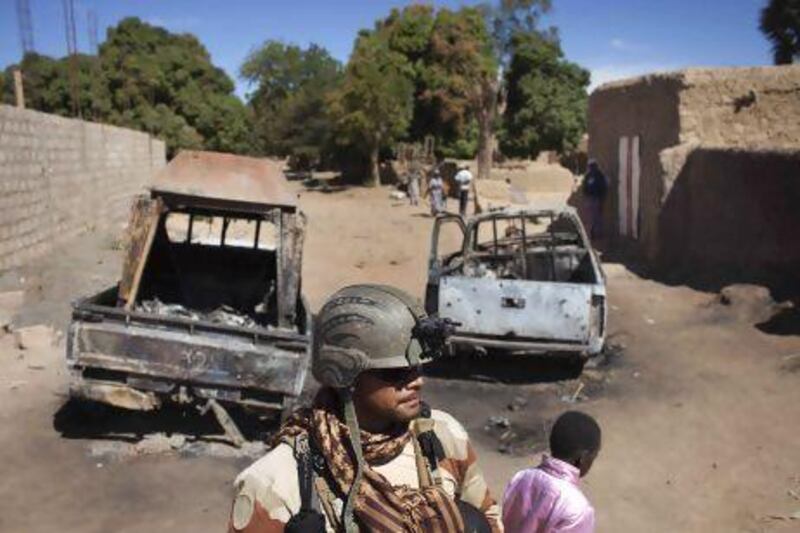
60,176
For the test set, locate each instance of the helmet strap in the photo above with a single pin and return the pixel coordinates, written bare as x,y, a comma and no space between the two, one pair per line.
351,420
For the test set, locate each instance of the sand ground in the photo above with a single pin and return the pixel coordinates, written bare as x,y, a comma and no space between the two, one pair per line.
700,409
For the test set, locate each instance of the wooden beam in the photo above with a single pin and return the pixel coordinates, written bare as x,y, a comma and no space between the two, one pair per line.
19,91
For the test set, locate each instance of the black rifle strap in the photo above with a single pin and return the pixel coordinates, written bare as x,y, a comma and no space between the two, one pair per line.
429,443
305,472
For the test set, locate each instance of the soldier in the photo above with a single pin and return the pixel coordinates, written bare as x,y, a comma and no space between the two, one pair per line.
368,455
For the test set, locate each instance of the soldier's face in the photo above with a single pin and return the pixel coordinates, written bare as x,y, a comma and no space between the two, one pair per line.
388,396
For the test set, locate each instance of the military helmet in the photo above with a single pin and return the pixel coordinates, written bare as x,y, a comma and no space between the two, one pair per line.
363,327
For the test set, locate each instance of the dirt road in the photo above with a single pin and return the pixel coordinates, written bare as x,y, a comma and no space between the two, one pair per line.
700,411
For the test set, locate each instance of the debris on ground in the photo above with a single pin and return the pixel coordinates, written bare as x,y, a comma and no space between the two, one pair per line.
34,337
14,385
221,315
575,396
519,402
750,303
791,362
6,323
183,445
783,517
10,303
498,422
397,195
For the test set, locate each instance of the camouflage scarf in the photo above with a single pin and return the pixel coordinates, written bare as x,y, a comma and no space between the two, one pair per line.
379,505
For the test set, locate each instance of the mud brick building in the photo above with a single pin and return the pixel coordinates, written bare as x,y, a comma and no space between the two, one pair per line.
704,166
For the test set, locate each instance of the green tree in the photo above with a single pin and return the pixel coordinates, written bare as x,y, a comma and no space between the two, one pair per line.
289,102
165,83
374,104
48,87
460,64
447,52
780,23
506,19
545,98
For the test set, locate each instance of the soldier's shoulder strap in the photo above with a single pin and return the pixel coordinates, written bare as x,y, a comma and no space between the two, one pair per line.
429,442
308,519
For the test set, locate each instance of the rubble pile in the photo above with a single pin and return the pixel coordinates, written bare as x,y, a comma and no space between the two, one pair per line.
223,314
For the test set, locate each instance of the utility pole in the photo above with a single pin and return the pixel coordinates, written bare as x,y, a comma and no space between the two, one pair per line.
72,51
91,28
19,92
25,26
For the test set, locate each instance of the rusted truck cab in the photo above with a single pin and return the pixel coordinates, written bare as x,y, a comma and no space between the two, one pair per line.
209,307
518,280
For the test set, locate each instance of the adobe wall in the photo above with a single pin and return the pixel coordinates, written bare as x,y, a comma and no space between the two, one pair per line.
59,176
648,108
673,113
741,107
733,216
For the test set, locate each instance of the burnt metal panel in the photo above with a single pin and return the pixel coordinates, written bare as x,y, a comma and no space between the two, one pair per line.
517,308
142,227
214,360
229,177
290,259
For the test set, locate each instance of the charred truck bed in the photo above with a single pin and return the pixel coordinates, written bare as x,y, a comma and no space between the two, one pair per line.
209,304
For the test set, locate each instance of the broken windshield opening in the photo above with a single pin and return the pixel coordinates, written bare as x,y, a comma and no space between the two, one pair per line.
538,247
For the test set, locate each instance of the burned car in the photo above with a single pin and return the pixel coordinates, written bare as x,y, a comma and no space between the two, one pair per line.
518,280
209,309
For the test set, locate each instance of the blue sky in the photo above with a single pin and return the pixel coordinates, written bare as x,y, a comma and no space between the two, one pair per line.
612,38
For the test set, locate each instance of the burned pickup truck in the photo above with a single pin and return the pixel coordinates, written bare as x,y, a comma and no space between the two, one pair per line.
518,280
209,309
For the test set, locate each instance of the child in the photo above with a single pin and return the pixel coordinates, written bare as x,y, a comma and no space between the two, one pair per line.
547,498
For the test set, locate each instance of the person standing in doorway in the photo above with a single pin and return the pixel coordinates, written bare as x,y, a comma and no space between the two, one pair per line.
595,187
464,180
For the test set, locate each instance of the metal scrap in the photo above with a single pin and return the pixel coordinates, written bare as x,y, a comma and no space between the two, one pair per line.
221,315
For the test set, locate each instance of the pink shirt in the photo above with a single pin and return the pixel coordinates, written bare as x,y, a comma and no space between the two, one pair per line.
547,499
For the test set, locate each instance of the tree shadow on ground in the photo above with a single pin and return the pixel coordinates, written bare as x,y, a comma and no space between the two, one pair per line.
78,419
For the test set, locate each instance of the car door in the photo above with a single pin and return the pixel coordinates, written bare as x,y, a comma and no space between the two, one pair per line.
446,255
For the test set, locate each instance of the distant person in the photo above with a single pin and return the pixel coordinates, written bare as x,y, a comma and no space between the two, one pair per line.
464,180
413,186
547,499
436,192
595,187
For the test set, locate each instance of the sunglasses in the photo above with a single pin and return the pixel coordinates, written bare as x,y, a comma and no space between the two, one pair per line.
396,376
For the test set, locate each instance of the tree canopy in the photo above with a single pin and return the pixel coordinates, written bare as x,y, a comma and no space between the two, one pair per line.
545,98
374,103
165,83
289,101
419,72
144,78
780,23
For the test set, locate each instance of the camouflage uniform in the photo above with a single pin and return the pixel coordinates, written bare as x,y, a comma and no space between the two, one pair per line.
268,492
